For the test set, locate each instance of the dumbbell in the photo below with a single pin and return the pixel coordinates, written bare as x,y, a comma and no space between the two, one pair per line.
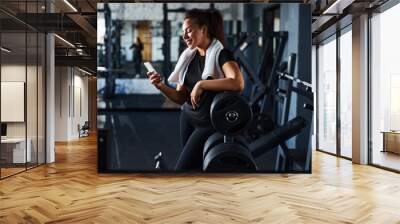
224,151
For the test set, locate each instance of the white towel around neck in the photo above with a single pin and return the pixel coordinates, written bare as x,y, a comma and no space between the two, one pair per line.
211,66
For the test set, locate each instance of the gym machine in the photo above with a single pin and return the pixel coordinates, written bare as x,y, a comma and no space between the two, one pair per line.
216,154
228,150
247,39
261,82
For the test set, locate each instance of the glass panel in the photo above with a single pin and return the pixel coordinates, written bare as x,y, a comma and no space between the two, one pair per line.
41,98
22,76
31,84
31,97
327,96
345,94
13,87
385,89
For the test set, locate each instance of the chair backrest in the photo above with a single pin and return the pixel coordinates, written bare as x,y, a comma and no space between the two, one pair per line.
86,125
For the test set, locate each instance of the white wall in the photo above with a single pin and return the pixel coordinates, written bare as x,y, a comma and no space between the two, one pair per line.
71,102
33,126
61,103
15,72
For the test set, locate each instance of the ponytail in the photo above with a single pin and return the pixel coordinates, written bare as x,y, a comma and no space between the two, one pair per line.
211,18
216,28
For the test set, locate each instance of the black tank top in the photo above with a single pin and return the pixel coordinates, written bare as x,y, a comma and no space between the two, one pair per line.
201,115
196,67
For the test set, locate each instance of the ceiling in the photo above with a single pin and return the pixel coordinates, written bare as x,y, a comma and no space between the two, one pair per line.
328,15
74,22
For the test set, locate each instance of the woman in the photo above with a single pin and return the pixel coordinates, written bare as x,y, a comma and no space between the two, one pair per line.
205,66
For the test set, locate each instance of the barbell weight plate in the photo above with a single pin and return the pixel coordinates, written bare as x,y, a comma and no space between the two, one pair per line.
229,157
230,113
217,139
212,141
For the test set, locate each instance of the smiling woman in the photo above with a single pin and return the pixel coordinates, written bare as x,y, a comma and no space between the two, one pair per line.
203,69
200,22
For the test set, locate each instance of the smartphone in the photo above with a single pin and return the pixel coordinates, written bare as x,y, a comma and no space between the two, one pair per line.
149,67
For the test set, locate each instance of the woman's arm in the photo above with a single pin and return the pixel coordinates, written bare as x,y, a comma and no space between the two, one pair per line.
178,95
233,81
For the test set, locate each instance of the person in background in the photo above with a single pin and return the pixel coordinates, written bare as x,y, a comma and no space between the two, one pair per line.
137,47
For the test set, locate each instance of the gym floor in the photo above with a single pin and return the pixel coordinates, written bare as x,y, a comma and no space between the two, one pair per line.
71,191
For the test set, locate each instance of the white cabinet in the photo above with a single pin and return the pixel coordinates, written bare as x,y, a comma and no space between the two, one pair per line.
17,145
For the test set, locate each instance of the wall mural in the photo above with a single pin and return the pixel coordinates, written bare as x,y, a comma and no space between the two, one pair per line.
210,87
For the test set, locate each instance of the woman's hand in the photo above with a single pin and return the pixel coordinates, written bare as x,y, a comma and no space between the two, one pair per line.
196,94
155,79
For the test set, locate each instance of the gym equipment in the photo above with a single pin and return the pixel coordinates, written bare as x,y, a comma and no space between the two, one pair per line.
217,138
258,86
268,134
277,136
260,125
217,156
224,152
229,157
263,80
230,113
287,86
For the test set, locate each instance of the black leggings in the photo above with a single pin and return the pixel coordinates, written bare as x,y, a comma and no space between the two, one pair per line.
193,136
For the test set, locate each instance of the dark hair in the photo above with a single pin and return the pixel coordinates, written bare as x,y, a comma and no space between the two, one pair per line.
210,18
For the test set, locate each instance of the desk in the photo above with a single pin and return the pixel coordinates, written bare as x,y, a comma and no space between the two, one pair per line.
391,141
16,147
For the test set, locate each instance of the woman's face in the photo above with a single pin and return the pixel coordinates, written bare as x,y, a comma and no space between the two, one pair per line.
193,35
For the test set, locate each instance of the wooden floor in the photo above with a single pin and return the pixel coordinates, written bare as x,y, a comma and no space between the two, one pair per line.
5,172
71,191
